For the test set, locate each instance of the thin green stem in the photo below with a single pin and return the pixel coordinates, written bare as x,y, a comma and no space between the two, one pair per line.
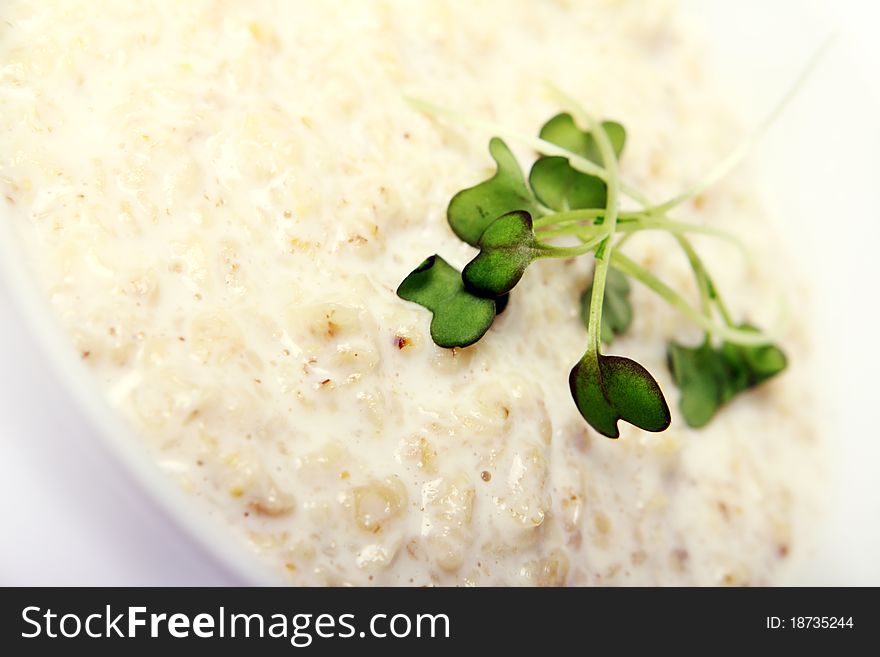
589,243
722,308
708,289
673,298
568,216
577,230
681,227
597,298
633,223
605,249
704,284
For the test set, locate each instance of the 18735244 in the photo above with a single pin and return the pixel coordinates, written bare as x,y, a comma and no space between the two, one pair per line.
809,622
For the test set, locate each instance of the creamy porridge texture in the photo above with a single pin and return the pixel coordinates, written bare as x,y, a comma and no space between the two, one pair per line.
220,200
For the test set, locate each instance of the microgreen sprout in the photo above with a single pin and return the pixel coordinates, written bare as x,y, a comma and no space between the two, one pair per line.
573,189
459,317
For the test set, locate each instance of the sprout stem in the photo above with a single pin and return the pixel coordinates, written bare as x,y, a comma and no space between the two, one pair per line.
589,244
633,223
606,247
649,280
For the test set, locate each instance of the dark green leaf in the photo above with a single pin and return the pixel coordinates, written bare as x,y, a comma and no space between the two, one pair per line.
555,182
617,312
611,388
472,210
761,362
562,131
702,376
560,187
506,248
733,377
460,318
709,377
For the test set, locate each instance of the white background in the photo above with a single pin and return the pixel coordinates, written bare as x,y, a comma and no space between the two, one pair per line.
72,515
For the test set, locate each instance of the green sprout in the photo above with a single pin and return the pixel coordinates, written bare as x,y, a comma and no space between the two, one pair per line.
460,318
711,376
573,190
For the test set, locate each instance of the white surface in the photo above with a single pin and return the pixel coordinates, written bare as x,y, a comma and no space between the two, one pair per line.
72,515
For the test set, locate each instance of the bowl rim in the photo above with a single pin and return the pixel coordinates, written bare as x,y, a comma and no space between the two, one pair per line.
193,517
